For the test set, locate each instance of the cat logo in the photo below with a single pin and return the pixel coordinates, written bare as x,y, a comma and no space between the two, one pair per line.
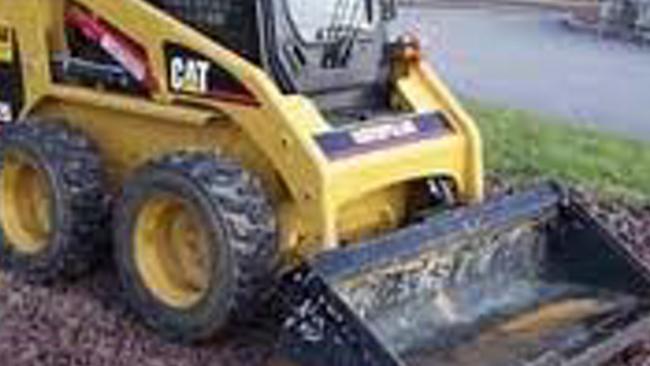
6,115
189,76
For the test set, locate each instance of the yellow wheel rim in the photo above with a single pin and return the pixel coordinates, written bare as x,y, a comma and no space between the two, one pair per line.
172,251
25,204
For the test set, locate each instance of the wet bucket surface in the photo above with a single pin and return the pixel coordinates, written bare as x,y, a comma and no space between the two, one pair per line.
518,280
492,300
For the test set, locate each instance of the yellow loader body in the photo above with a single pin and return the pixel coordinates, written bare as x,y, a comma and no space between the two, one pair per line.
322,202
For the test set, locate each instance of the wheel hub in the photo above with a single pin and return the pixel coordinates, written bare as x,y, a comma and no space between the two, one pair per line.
26,203
172,251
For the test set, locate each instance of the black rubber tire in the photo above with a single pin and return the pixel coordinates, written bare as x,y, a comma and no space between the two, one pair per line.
232,203
80,210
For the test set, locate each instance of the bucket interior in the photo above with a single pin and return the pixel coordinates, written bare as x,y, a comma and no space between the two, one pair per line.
527,279
501,298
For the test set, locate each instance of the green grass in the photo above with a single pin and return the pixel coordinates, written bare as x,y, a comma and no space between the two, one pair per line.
522,146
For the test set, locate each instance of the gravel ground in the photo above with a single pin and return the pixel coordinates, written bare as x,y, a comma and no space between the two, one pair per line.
85,323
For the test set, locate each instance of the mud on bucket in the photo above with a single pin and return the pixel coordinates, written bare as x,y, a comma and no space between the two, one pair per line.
527,279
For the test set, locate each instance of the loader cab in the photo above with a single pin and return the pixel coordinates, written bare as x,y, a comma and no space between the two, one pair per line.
331,50
334,51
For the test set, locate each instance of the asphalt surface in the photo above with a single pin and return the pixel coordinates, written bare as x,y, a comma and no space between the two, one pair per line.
526,58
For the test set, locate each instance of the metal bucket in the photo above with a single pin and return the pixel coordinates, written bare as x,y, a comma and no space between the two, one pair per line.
528,279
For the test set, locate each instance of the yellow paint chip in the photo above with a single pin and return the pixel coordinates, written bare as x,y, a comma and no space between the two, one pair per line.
6,48
6,54
554,315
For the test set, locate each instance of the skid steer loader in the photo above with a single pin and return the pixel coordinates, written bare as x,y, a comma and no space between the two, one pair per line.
287,155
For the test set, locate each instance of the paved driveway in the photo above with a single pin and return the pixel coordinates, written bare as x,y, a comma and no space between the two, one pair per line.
525,58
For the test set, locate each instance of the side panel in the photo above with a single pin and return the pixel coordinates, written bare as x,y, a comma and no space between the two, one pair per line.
11,83
422,90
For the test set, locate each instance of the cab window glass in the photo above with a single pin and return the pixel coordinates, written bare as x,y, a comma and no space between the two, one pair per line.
232,23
